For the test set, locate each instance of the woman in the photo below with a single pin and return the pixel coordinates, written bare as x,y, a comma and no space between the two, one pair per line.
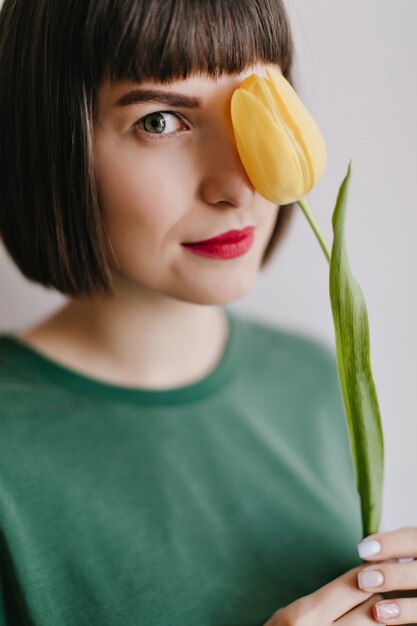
162,461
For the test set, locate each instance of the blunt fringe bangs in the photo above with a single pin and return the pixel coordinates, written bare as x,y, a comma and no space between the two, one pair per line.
54,55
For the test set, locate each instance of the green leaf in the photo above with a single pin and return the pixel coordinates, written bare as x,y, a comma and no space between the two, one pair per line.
351,326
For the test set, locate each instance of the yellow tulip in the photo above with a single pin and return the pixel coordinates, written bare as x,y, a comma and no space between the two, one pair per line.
284,155
279,143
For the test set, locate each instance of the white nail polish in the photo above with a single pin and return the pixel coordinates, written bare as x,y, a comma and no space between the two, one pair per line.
389,610
368,580
368,548
405,559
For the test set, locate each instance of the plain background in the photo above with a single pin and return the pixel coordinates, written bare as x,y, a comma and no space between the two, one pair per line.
356,70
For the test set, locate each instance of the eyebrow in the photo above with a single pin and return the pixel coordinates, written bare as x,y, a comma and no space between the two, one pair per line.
161,97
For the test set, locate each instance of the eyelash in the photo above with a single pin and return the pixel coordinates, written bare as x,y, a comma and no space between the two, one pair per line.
160,136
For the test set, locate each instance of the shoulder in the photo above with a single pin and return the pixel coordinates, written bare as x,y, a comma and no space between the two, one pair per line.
293,377
289,369
22,387
12,375
272,345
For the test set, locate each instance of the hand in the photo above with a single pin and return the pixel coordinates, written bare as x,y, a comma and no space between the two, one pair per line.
339,602
349,600
398,578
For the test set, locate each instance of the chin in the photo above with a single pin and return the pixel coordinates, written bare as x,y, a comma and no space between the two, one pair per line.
230,288
222,283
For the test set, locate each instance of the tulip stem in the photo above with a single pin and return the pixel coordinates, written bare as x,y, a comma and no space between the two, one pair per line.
304,207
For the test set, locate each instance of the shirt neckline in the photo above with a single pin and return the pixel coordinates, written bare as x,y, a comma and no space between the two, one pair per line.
42,366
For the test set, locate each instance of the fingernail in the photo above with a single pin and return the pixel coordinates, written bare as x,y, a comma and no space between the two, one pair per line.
388,610
368,548
367,580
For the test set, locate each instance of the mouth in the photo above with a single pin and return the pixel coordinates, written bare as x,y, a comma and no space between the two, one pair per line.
231,236
228,245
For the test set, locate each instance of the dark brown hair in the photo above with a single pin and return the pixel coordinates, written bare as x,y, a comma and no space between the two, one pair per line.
54,55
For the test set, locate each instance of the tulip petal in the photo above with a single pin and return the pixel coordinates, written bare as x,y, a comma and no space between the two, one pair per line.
262,91
297,117
248,81
271,165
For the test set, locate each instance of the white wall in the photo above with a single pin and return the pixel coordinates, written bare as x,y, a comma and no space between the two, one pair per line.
355,68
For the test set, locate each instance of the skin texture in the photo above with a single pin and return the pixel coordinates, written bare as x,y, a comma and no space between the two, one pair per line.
164,326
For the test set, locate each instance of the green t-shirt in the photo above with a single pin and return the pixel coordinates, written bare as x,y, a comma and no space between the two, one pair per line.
211,504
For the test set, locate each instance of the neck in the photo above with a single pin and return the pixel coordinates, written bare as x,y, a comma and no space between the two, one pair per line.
138,338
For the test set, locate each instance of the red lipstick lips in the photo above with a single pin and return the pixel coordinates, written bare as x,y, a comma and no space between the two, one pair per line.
228,245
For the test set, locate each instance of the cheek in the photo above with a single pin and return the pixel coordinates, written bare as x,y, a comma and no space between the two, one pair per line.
136,190
270,214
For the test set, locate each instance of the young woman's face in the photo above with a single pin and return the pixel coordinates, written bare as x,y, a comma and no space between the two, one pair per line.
168,172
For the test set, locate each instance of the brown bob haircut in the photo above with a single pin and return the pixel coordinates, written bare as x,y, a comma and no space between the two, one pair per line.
54,55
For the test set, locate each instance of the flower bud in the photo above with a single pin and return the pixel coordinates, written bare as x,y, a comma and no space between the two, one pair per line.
279,143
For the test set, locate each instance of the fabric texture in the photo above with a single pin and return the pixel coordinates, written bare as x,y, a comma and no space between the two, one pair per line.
214,504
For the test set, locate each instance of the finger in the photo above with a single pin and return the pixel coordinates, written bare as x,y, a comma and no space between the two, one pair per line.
338,597
400,543
326,605
388,576
398,611
362,615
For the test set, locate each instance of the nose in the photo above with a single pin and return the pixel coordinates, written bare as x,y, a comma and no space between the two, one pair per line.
224,180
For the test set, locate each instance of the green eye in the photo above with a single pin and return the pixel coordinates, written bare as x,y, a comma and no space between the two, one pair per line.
154,123
160,121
